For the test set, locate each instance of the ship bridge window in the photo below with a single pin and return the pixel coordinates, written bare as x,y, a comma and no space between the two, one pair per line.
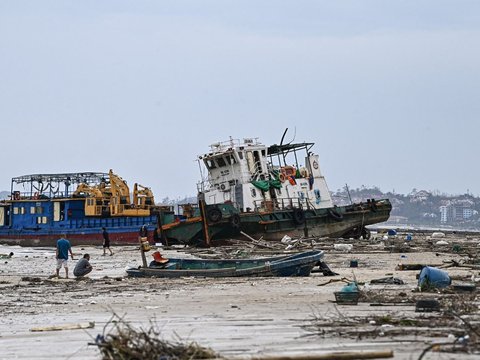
256,156
231,160
210,164
41,220
221,162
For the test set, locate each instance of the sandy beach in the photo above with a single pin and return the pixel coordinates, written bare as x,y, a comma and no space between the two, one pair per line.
238,318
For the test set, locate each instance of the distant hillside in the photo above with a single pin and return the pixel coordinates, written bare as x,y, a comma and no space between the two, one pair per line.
421,208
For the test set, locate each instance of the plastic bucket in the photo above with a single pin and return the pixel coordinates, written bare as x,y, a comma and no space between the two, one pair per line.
430,276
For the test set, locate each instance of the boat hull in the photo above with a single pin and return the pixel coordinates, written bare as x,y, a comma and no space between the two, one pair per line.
300,264
340,221
75,236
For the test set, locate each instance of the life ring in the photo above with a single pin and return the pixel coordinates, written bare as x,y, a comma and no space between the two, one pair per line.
214,215
288,170
334,214
281,177
235,221
298,216
35,195
304,172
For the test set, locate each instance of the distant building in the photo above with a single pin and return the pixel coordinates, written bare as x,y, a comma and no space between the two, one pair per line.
420,196
454,213
444,213
467,213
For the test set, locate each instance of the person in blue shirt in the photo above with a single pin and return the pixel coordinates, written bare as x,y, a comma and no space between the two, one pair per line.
63,248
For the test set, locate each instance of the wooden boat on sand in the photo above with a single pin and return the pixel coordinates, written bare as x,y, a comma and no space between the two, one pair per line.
299,264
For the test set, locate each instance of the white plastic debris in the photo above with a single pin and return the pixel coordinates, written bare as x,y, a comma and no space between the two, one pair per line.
286,239
343,247
441,242
438,235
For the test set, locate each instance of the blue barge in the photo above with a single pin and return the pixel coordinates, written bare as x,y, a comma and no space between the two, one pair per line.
43,207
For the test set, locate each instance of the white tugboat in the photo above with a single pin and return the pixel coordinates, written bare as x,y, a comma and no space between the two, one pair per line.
279,190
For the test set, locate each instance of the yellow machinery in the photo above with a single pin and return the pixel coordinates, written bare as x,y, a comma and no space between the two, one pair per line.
120,204
142,196
94,199
114,198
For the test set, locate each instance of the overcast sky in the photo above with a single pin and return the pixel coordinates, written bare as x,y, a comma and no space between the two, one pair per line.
388,90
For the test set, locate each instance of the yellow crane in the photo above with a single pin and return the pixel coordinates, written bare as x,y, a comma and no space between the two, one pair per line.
113,198
120,203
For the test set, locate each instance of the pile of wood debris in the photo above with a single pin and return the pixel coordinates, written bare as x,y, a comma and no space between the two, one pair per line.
121,341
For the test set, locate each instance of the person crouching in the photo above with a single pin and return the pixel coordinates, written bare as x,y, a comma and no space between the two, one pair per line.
83,266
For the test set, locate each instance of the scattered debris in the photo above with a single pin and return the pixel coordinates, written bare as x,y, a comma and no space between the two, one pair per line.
388,280
431,278
89,325
343,247
344,355
348,295
324,269
121,341
427,305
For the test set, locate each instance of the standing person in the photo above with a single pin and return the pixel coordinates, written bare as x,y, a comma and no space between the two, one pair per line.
63,248
106,242
83,266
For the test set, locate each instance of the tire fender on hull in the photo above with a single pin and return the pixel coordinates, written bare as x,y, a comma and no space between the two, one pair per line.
298,216
214,215
334,214
235,221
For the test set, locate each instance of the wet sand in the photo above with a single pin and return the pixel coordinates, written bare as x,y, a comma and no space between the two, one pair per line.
235,317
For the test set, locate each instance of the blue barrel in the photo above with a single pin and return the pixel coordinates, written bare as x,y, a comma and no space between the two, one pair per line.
431,276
